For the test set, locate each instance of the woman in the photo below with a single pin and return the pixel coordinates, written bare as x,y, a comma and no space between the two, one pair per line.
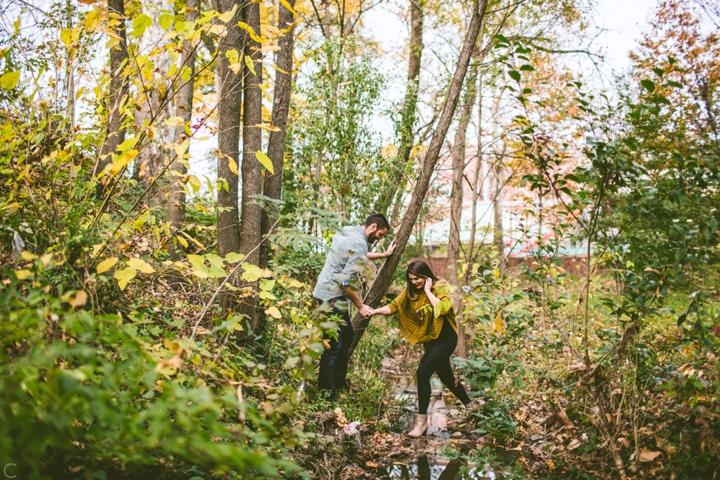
426,315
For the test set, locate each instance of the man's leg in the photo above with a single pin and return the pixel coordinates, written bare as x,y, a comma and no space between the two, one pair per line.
341,363
331,357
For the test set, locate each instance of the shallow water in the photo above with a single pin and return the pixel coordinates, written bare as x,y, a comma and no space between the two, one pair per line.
433,468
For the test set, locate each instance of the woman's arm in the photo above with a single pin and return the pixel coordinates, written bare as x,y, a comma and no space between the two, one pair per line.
382,311
428,291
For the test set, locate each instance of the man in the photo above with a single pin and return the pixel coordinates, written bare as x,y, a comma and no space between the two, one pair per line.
334,290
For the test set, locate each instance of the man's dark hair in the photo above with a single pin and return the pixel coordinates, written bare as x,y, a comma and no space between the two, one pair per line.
379,220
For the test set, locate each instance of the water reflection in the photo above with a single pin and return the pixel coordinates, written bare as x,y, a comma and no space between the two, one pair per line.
434,469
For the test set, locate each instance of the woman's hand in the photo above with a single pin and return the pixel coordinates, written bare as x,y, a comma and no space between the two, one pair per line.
428,285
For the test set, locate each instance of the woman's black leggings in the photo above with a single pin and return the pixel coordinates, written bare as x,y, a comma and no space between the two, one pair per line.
437,360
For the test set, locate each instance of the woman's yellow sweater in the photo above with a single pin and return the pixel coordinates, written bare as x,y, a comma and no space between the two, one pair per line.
419,321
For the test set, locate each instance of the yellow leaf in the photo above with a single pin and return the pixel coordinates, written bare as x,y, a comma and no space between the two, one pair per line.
22,274
233,56
122,161
232,166
265,160
250,65
106,265
183,242
227,16
499,324
250,32
268,127
66,36
28,256
11,79
287,5
79,299
174,121
124,276
45,259
273,312
182,148
140,265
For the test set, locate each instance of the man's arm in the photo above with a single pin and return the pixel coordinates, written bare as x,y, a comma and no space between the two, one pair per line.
355,298
385,254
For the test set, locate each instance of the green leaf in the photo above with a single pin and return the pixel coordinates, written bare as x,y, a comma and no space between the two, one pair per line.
527,68
227,16
140,24
250,65
648,85
267,284
265,160
233,257
165,20
10,80
515,75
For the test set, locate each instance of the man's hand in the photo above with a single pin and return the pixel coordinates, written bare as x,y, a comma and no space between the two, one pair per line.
390,249
365,310
428,284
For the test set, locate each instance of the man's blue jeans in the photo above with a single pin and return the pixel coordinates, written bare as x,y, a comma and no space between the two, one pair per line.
334,360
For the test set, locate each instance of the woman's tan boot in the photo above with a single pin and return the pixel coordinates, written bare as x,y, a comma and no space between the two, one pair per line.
421,425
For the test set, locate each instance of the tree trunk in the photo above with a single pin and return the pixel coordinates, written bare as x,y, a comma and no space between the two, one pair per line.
456,203
458,166
398,169
251,222
175,215
384,276
229,103
498,214
155,108
476,188
281,109
115,131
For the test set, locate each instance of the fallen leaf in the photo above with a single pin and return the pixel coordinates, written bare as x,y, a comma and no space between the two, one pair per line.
647,455
79,299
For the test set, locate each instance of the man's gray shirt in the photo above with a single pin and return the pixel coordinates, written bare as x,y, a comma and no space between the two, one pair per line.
344,261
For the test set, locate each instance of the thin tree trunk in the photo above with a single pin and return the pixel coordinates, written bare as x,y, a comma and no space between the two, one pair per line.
384,276
115,131
498,233
251,222
154,109
476,188
396,178
176,200
69,74
456,204
281,109
229,103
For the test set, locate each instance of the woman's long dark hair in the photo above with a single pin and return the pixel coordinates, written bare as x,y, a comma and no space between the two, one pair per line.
420,269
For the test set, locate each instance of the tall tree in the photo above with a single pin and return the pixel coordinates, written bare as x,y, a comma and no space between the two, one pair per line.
115,130
229,103
251,222
498,233
152,106
398,168
281,108
176,200
457,194
384,276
